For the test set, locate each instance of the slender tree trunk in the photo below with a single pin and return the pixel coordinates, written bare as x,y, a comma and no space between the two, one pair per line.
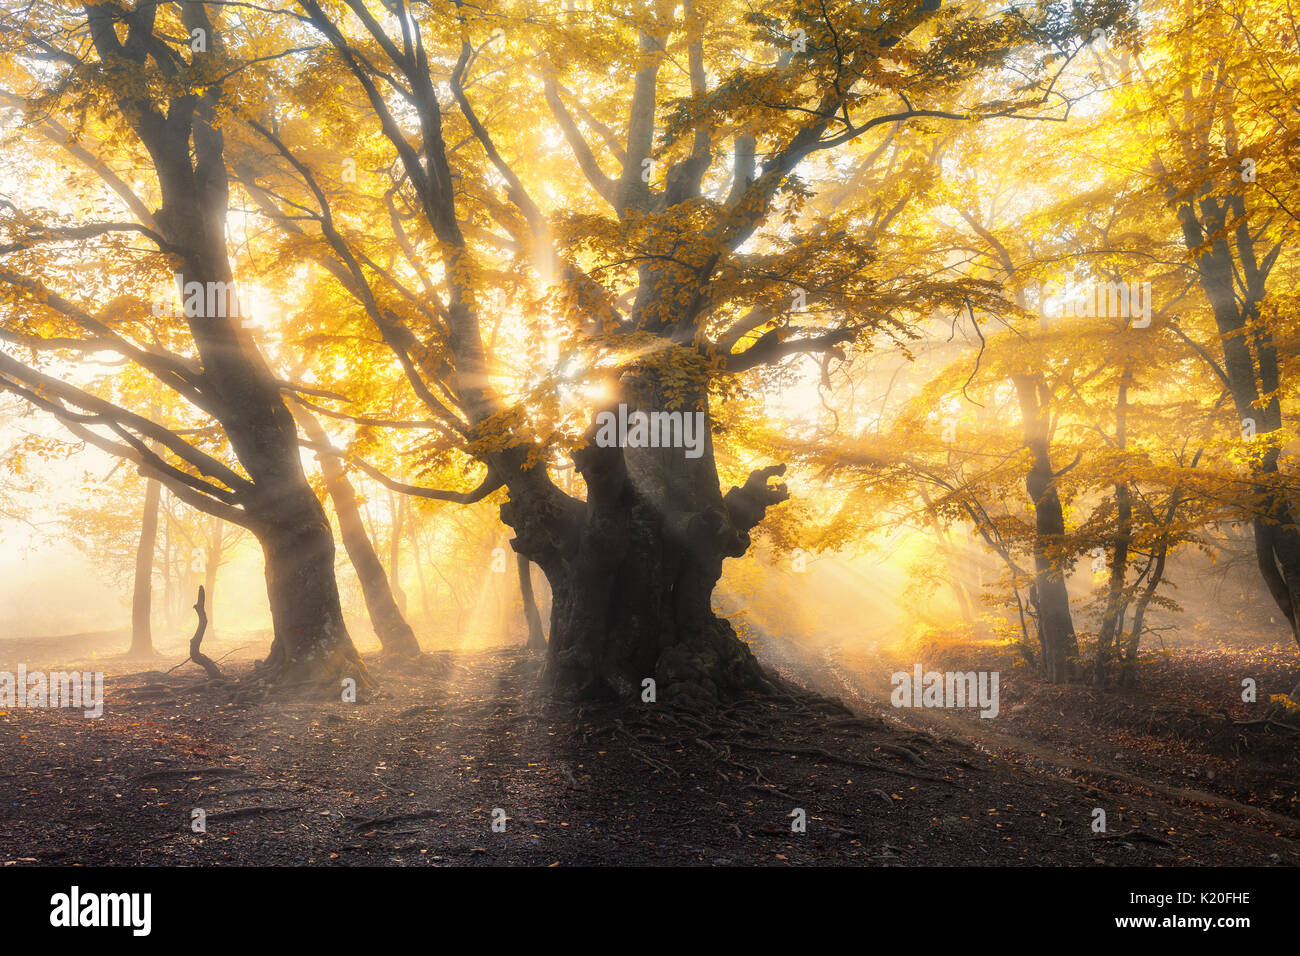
395,634
954,575
453,595
413,535
210,586
1056,633
367,519
1251,366
168,611
1129,651
214,553
397,505
142,595
1112,623
536,637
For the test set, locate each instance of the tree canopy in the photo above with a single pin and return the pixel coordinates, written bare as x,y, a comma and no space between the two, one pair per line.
1020,276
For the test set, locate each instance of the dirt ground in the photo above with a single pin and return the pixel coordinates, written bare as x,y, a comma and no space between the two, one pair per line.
417,773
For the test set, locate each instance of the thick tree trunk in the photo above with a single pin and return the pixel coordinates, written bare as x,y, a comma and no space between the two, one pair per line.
183,138
536,638
311,644
395,634
142,594
632,569
1056,634
311,637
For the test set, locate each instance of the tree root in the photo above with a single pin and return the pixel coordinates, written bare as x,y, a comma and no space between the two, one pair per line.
191,772
222,816
412,711
1268,723
399,818
889,801
1135,836
771,790
838,758
907,753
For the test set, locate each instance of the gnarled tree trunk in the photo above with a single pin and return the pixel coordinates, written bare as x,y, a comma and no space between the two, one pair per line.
311,642
632,569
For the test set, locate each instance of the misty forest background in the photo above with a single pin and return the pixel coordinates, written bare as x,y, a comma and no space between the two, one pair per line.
853,234
309,312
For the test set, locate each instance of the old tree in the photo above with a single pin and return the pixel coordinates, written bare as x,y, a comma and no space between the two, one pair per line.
671,237
672,203
144,89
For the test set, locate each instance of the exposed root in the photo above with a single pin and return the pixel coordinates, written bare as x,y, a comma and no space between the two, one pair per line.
841,759
313,678
400,818
222,816
1135,836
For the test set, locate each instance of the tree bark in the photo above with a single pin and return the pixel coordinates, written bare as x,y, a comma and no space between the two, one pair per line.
394,632
1252,371
196,642
632,569
142,595
1056,634
311,643
536,637
182,136
1112,623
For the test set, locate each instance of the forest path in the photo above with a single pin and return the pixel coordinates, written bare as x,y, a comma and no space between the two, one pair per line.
419,773
1030,745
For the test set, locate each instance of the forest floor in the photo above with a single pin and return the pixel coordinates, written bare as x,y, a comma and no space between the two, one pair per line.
417,773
